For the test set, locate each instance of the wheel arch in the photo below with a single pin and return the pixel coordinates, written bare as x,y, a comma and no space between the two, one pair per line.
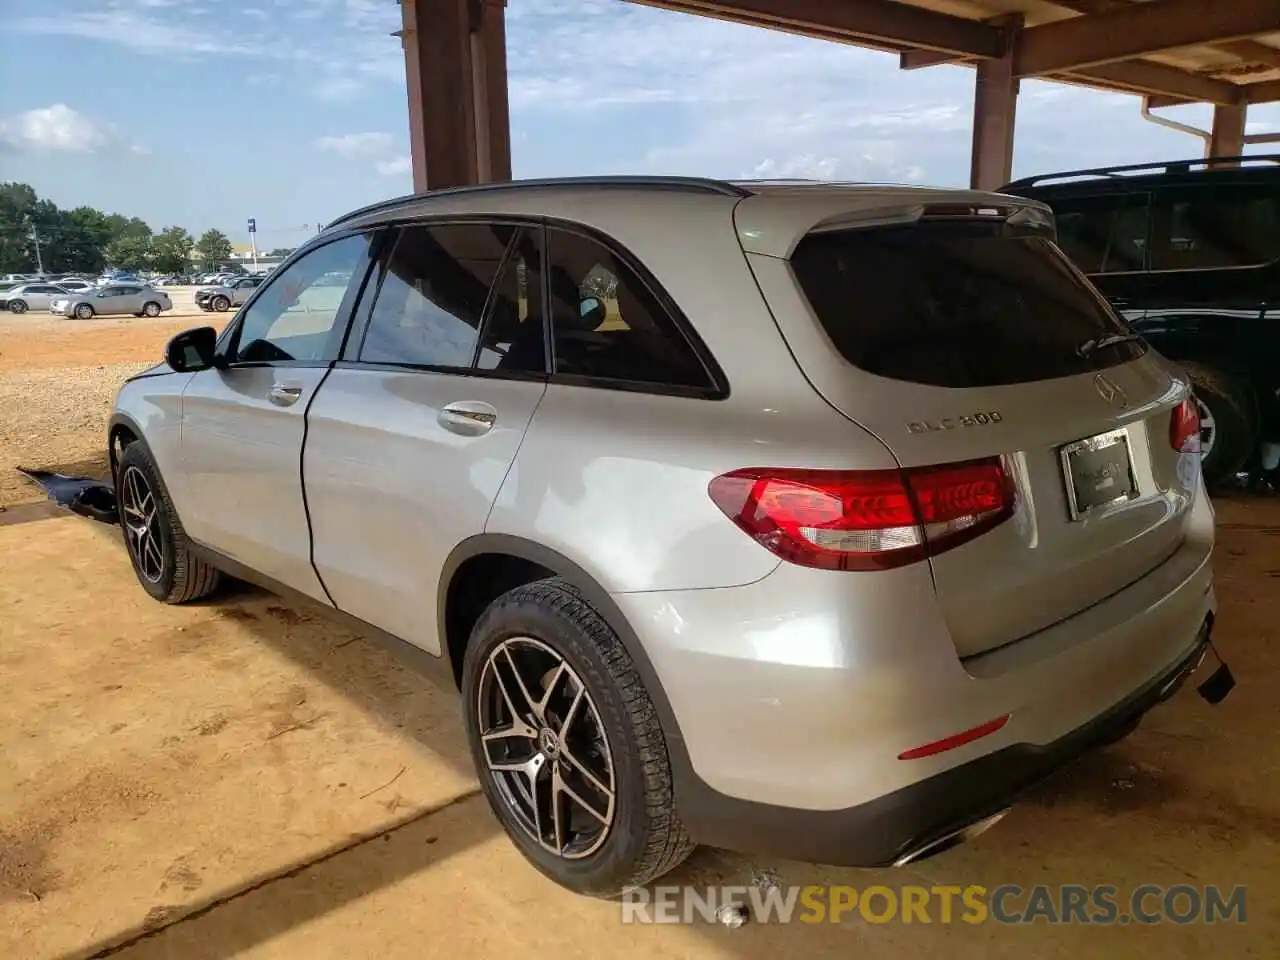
507,545
122,431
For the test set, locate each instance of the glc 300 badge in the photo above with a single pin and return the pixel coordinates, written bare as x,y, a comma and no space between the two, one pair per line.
982,419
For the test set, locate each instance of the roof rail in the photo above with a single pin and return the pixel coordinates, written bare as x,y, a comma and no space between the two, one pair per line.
1170,166
633,182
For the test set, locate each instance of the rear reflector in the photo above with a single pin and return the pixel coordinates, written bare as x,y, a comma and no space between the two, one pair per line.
865,519
1184,427
955,740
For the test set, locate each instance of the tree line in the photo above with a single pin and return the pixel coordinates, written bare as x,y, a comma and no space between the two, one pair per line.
87,240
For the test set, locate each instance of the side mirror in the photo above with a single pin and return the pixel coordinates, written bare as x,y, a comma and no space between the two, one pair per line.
592,311
192,350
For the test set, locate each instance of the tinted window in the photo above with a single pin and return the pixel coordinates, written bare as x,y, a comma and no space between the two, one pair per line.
514,337
293,317
1104,234
129,291
1208,227
607,324
954,305
433,295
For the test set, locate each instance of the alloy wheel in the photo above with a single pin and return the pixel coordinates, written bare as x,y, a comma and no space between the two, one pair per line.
141,523
1208,428
545,747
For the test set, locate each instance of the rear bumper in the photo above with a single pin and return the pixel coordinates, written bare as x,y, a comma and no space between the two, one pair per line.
881,831
792,698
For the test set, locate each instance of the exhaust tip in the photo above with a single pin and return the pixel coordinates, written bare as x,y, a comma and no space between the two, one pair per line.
952,839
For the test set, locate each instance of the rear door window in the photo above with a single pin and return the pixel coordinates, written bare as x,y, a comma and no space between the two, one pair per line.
1104,234
956,305
1207,228
433,295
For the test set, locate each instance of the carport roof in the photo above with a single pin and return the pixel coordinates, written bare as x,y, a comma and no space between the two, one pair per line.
1174,51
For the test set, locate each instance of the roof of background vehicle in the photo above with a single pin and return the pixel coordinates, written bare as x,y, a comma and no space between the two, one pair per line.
1264,168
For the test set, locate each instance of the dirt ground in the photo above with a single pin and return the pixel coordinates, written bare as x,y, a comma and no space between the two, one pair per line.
59,377
242,779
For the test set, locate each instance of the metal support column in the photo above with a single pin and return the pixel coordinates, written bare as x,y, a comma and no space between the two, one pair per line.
456,73
1227,139
995,105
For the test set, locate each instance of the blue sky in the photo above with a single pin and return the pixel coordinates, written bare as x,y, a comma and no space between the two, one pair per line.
206,112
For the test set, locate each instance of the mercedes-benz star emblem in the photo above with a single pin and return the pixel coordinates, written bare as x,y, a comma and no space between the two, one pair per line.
1110,391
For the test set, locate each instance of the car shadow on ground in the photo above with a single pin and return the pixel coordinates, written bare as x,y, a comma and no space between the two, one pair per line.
1075,806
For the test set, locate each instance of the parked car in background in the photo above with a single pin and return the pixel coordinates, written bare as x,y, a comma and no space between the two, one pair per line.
227,294
111,299
1188,253
30,296
75,286
822,543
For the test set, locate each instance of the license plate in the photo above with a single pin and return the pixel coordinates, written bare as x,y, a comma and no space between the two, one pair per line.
1098,472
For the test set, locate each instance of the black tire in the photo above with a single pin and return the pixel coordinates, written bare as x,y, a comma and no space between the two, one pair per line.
17,306
84,311
645,838
1234,424
151,309
221,304
182,576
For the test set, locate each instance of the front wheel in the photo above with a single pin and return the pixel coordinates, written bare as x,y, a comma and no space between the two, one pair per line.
221,304
84,311
567,743
17,306
157,545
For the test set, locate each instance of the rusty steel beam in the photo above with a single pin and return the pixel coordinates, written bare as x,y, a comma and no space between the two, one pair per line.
885,22
1143,76
1138,29
1267,92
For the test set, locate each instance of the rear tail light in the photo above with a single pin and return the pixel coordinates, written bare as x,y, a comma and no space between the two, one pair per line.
1184,427
865,519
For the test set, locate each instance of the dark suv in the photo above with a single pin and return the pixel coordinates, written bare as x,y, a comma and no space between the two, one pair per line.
1189,254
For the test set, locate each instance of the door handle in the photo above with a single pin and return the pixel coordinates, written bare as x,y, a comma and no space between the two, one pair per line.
284,395
469,418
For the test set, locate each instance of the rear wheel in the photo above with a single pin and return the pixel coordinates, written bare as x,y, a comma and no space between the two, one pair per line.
157,545
151,308
18,306
567,743
84,311
1228,427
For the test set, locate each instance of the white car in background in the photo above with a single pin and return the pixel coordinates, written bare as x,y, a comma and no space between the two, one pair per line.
138,299
31,296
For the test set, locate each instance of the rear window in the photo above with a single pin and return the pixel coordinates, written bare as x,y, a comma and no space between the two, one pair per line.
955,305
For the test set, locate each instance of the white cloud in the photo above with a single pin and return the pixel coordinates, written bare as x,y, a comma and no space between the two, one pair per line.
356,144
55,128
394,167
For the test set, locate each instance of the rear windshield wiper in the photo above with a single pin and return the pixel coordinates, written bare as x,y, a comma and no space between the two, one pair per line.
1093,345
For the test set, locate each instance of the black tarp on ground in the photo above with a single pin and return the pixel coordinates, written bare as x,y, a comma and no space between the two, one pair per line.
95,499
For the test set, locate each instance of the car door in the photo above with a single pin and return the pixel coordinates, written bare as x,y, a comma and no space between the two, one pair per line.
130,299
412,434
243,423
102,299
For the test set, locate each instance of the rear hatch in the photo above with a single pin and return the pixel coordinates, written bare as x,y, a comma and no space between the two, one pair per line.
955,332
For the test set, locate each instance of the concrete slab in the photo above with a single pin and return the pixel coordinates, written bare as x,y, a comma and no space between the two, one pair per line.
244,780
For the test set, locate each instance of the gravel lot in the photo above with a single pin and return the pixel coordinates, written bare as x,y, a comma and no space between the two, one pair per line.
58,379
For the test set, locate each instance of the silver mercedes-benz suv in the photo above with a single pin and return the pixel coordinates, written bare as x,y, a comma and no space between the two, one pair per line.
815,520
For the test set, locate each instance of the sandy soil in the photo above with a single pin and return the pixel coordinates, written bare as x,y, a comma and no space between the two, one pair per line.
58,379
242,779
